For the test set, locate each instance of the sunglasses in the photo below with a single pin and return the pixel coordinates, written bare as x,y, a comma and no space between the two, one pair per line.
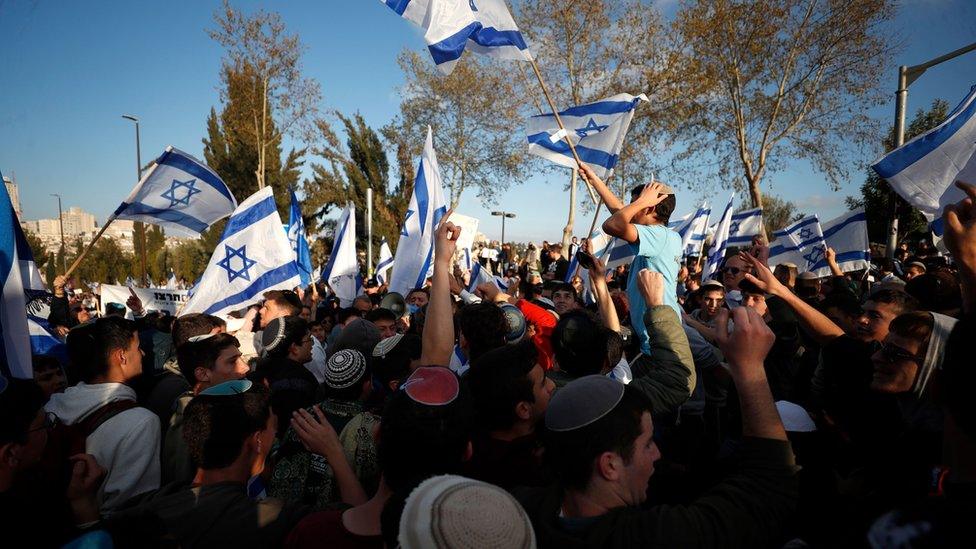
732,270
892,353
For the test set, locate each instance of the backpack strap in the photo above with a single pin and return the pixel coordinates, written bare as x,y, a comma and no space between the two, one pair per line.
95,419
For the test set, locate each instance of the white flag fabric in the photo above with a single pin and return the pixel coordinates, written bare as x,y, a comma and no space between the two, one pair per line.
180,194
253,256
923,170
613,251
15,348
385,262
848,236
744,226
719,243
342,271
801,243
484,26
597,131
414,258
171,283
692,229
480,275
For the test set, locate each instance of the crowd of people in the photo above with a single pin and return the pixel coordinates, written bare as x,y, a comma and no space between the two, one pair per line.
760,408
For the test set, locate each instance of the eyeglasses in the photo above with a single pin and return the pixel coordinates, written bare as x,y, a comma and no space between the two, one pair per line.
50,420
732,270
892,353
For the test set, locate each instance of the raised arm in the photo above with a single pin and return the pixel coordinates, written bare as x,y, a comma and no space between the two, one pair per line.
598,281
613,203
820,328
960,239
621,224
438,337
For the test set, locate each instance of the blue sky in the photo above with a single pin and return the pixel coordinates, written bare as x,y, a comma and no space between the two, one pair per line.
69,70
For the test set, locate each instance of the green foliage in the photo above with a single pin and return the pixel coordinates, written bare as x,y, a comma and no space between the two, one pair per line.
778,213
876,195
106,262
38,249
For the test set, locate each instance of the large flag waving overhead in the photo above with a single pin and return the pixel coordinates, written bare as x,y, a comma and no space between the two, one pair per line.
720,243
15,344
923,170
744,226
180,194
485,26
385,262
253,256
692,230
299,243
801,243
415,252
597,131
342,271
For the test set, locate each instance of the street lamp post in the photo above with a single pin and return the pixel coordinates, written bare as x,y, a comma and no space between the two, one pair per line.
145,271
503,215
64,251
906,76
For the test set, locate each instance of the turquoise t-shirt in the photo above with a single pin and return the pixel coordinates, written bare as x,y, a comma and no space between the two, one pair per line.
658,248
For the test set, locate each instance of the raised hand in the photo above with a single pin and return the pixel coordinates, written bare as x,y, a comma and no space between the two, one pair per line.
746,347
763,278
960,228
652,195
86,476
445,240
134,303
316,433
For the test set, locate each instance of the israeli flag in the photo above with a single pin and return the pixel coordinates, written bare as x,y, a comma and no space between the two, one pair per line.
180,194
465,259
479,275
15,350
171,283
42,341
801,243
692,229
597,131
744,226
484,26
719,243
253,256
34,287
848,236
342,271
414,258
923,170
299,243
385,262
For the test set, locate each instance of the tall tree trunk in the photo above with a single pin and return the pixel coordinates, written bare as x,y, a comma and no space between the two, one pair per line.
757,202
571,220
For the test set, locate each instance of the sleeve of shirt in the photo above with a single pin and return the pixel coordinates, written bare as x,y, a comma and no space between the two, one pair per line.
650,239
748,509
544,323
670,377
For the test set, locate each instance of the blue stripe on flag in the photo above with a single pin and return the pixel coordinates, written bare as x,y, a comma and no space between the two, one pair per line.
383,264
842,257
784,232
249,217
327,271
176,160
398,6
588,155
914,151
859,217
172,216
260,284
491,37
600,107
451,48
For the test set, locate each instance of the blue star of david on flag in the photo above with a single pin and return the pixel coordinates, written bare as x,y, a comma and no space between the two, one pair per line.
734,228
246,263
806,232
815,255
403,232
177,200
590,126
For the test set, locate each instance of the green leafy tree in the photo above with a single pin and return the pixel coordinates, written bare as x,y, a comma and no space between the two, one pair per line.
38,249
105,263
778,213
350,170
876,195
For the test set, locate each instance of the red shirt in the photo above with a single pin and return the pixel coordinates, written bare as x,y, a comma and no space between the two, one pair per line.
325,529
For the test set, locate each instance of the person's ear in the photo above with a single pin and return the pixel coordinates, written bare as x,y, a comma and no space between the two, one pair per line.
468,452
9,455
609,465
393,385
201,374
523,410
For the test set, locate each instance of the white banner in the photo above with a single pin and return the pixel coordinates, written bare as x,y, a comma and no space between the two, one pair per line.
469,228
153,299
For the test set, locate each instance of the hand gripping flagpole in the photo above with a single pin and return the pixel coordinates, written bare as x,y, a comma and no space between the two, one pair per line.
559,121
